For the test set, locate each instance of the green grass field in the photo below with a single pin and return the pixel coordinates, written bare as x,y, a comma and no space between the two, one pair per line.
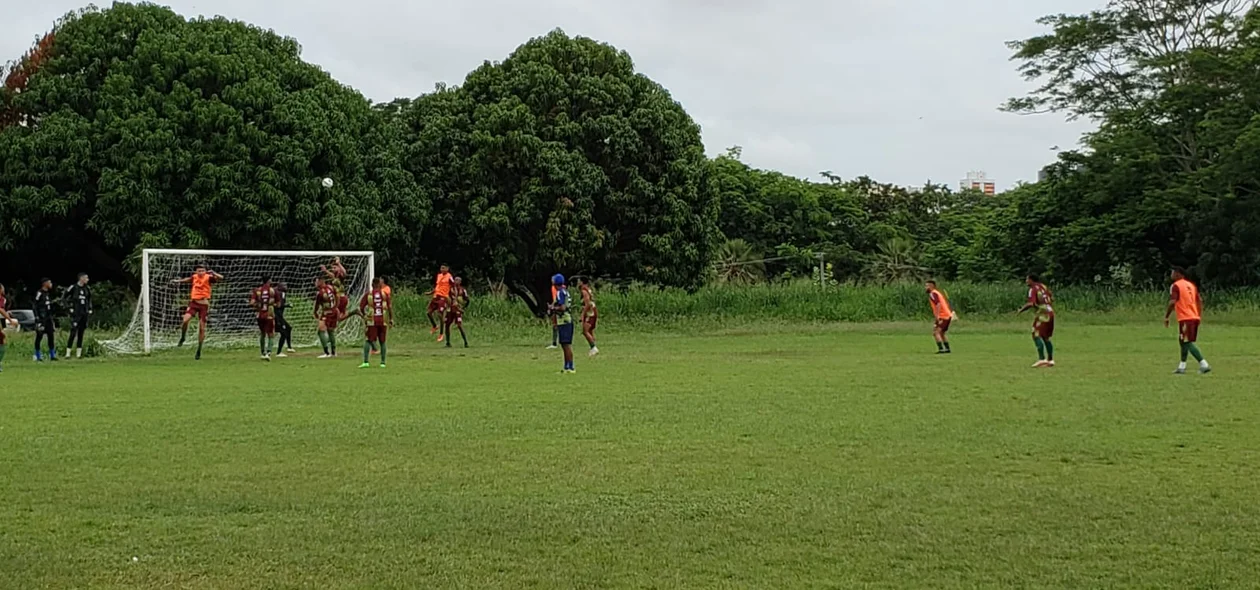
769,456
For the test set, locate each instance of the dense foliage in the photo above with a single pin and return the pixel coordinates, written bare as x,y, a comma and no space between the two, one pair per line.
136,127
132,126
563,159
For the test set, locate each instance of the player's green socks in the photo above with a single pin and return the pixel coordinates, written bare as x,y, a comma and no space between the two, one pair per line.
3,349
183,335
367,351
946,346
262,344
271,341
1049,351
323,341
382,353
1041,348
1194,351
332,341
940,347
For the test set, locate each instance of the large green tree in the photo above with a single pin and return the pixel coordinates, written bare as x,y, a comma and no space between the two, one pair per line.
563,158
139,127
791,218
1166,178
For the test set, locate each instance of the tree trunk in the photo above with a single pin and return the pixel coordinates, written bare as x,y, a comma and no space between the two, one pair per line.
536,303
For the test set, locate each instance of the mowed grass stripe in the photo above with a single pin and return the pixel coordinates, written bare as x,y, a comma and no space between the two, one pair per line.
761,456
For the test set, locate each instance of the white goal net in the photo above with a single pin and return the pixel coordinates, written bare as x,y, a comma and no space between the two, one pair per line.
232,322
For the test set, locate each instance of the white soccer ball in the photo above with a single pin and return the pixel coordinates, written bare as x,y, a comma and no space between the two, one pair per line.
328,183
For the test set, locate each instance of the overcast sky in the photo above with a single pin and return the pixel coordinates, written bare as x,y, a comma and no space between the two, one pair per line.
900,90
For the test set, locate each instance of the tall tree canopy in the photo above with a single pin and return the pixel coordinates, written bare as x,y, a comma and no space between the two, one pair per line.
1167,178
562,158
142,128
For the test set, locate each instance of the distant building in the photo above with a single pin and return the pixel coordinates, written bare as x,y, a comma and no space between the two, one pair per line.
977,181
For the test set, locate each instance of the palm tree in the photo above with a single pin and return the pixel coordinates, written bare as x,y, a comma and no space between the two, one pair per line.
739,262
896,259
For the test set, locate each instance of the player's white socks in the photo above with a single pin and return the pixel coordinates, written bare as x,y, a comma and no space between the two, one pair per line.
1181,367
1203,364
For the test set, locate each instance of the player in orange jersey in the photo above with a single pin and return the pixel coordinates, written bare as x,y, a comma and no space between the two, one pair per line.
198,303
1186,301
1041,301
943,315
441,299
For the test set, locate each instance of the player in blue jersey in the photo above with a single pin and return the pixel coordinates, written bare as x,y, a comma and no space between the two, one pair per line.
564,320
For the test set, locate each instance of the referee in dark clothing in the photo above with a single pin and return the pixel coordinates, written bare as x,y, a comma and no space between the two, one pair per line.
79,300
44,326
282,325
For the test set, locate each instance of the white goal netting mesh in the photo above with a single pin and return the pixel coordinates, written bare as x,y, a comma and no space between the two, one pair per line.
232,322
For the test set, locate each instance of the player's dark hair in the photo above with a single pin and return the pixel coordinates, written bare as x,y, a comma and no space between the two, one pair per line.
1181,270
82,275
200,266
931,282
584,280
1034,277
266,279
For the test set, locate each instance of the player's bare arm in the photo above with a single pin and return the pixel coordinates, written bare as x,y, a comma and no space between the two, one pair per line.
1172,305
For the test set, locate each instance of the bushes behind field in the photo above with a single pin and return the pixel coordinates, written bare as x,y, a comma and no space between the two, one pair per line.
807,302
798,301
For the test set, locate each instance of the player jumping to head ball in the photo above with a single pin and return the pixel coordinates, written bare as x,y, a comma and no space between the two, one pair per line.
440,300
198,304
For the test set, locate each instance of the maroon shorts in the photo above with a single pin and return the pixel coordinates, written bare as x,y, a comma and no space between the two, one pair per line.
1043,329
438,303
1189,331
343,303
331,319
3,337
376,333
200,311
455,317
267,325
591,322
942,324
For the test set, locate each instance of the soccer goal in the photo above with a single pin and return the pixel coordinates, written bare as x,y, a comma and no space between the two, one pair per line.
232,322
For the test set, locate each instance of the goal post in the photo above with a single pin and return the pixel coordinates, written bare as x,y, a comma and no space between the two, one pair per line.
155,324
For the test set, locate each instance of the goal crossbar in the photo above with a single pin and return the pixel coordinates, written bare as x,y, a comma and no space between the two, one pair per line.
160,304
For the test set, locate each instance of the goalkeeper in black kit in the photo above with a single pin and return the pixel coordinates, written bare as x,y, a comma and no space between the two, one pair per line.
78,299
